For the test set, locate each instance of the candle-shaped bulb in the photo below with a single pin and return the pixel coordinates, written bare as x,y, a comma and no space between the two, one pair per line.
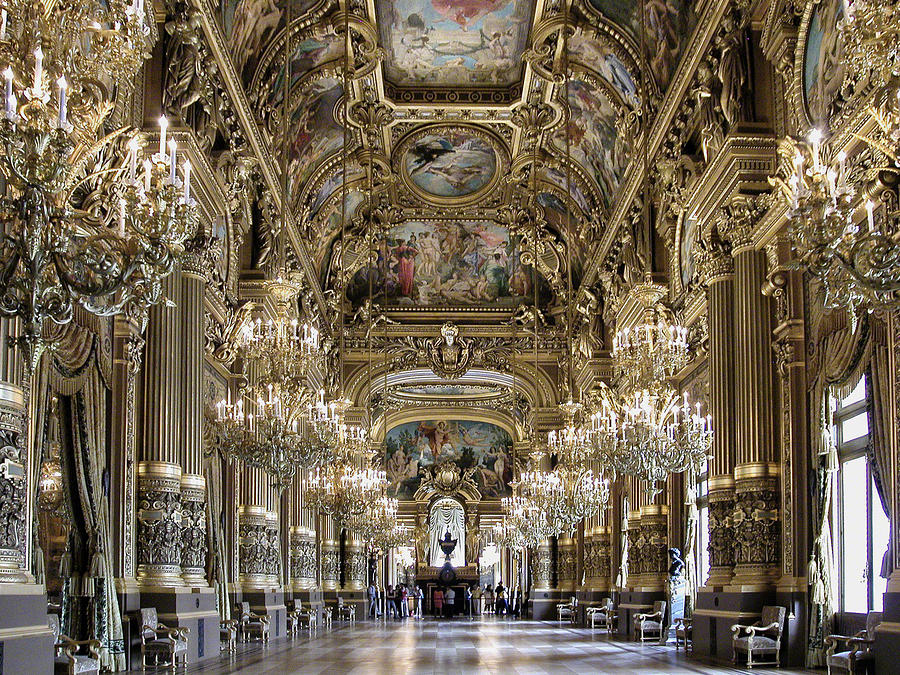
132,160
870,215
148,168
38,68
163,125
173,148
63,85
4,17
187,180
10,96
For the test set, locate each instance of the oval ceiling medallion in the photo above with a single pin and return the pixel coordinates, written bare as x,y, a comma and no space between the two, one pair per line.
450,164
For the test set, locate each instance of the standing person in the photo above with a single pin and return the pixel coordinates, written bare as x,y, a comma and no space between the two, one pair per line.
476,599
469,601
500,595
488,599
398,599
373,600
450,597
404,602
420,602
389,606
439,602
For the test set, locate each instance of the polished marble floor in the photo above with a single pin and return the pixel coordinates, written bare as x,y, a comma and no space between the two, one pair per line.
487,645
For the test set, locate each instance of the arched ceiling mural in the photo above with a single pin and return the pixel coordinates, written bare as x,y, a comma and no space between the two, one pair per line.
440,88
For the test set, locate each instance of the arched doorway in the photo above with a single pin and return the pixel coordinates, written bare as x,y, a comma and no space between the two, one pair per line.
447,515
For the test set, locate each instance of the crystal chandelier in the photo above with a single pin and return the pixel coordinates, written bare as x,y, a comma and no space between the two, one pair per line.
648,429
564,496
344,488
858,265
523,524
63,61
379,526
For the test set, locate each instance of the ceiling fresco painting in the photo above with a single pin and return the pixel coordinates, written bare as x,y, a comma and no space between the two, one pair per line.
448,391
331,228
455,163
668,24
250,25
483,447
599,56
454,42
446,263
592,138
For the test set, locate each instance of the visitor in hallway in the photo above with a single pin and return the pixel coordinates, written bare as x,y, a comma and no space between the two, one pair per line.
469,601
488,599
420,601
373,600
389,606
439,602
476,599
500,594
450,600
404,602
397,600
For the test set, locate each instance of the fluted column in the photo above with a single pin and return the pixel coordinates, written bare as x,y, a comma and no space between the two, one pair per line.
14,502
717,270
159,472
193,497
757,532
302,568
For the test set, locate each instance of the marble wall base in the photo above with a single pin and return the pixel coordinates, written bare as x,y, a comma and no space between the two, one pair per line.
356,598
632,602
191,608
717,611
270,603
793,641
543,603
26,643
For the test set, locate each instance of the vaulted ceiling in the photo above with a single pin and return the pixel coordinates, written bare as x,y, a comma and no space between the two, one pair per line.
451,75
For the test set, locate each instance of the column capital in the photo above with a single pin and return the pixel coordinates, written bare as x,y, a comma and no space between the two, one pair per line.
201,254
713,257
738,218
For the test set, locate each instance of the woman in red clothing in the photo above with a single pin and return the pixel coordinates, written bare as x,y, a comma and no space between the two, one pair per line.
438,602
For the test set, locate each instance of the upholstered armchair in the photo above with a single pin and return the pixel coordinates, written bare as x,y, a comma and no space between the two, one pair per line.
252,624
158,640
66,659
228,631
345,612
649,625
762,640
306,618
599,613
567,610
684,633
858,653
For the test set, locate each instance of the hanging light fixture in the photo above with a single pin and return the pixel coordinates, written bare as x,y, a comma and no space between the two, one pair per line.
870,33
648,428
60,60
570,490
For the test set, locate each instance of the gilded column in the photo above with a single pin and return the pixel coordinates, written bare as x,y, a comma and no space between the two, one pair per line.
354,563
542,567
757,532
14,500
716,267
654,533
159,472
193,495
273,550
566,564
302,568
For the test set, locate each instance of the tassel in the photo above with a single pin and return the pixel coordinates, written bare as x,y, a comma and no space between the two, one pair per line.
65,565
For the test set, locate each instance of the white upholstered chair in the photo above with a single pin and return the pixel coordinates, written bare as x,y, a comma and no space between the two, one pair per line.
158,640
761,642
567,610
855,653
649,625
66,659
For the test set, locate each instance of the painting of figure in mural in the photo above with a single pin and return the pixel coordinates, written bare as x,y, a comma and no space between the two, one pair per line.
823,66
451,163
443,263
482,446
600,57
668,25
454,42
592,138
249,25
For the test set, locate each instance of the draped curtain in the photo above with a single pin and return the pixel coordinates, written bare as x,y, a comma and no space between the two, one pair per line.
879,449
212,470
447,515
75,371
844,353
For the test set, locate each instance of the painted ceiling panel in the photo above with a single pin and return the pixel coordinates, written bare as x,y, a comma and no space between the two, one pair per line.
448,43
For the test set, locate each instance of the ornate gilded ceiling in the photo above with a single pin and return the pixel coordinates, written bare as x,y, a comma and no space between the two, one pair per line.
439,101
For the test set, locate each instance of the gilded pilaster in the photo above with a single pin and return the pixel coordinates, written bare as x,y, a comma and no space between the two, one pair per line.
13,461
302,558
716,268
654,521
331,565
273,550
354,564
566,566
636,543
542,567
194,547
253,548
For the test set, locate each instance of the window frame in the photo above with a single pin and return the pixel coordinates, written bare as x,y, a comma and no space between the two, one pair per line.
848,451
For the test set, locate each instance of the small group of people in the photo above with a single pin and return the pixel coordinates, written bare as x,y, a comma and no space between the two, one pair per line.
497,600
399,602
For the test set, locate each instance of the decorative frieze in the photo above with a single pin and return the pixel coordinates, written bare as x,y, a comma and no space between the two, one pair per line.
13,484
354,565
566,563
756,522
194,544
721,531
303,558
273,549
253,547
159,516
654,533
331,565
542,567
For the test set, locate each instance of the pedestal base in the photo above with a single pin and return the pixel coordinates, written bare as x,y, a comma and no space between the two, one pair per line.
543,603
191,608
26,642
717,611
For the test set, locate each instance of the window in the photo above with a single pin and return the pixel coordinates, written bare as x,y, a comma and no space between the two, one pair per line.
701,552
861,525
